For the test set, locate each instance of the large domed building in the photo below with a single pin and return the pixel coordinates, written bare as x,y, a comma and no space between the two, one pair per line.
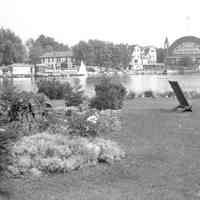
184,52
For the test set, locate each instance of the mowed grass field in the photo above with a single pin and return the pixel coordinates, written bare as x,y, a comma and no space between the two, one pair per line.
162,163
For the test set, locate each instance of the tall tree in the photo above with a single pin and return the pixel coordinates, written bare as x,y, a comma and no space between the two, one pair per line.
11,48
42,45
103,54
161,54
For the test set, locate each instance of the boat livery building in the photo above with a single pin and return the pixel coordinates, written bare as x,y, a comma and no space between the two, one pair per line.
58,60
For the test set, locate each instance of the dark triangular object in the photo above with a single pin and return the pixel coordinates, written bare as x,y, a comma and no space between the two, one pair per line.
183,103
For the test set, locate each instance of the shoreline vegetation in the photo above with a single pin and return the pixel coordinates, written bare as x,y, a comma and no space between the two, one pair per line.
169,94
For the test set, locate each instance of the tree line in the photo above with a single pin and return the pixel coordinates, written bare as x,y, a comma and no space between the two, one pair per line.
93,52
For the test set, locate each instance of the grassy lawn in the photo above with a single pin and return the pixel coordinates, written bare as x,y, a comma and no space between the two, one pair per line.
162,163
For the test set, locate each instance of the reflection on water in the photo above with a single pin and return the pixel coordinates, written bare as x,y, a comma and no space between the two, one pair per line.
135,83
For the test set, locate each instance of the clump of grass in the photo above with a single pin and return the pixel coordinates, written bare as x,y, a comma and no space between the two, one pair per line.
131,95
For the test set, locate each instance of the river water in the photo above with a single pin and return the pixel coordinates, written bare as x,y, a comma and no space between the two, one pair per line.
135,83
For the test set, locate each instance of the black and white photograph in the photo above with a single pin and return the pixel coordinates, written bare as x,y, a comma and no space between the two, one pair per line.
100,100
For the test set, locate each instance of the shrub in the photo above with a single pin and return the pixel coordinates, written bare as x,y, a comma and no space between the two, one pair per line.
90,69
92,123
149,93
28,106
73,96
56,90
57,153
52,88
8,95
131,95
109,121
109,95
83,124
26,112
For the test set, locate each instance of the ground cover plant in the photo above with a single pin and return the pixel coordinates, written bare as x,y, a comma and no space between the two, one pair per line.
50,153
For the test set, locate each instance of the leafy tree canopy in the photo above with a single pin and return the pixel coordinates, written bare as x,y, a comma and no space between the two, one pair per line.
42,45
11,48
103,54
161,54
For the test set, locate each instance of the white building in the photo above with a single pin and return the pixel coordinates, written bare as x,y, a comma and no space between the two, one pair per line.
149,56
21,69
136,61
143,56
57,61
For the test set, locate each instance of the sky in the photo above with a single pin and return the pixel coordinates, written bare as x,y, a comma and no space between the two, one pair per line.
143,22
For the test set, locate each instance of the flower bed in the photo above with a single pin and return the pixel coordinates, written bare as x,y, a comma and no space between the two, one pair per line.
93,122
49,153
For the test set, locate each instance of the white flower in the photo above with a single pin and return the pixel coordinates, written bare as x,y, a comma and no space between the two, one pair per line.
92,119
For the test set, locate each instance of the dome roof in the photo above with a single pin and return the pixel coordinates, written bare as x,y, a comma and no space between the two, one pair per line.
181,40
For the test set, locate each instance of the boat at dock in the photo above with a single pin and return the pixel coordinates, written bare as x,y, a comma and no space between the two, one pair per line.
82,71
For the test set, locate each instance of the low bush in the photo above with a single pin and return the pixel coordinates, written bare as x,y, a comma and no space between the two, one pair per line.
52,88
109,95
90,69
57,153
16,105
110,121
149,93
8,96
83,124
56,90
25,112
131,95
92,123
73,96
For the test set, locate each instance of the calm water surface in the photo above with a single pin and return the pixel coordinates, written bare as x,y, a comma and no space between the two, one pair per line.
135,83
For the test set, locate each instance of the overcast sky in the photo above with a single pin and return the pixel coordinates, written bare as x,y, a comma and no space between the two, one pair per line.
144,22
